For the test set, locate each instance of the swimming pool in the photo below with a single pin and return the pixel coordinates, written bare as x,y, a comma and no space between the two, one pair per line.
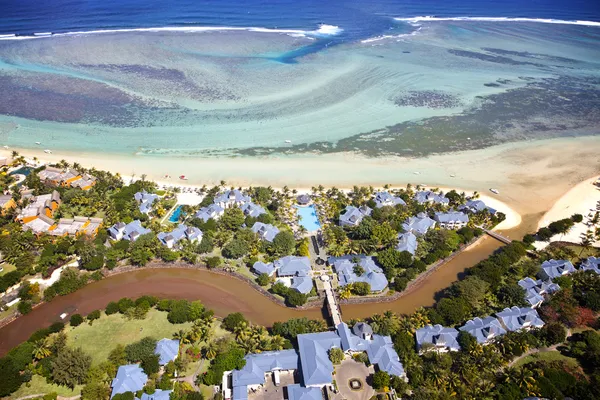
308,218
22,171
174,218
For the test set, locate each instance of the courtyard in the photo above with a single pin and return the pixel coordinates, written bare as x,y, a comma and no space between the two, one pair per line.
350,370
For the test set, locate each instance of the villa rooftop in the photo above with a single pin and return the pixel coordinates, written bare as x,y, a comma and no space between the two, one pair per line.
440,337
554,268
131,231
172,239
353,215
383,199
167,350
265,231
591,264
418,225
407,242
428,196
484,329
516,318
373,274
213,211
130,378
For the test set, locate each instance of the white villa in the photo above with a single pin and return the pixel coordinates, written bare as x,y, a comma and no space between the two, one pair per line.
451,220
440,338
353,216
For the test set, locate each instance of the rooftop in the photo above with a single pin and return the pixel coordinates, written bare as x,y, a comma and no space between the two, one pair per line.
439,336
167,350
373,275
130,378
515,318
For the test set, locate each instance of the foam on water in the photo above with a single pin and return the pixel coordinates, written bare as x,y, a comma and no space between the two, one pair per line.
429,18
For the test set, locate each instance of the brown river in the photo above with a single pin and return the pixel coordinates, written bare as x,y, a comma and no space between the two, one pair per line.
225,294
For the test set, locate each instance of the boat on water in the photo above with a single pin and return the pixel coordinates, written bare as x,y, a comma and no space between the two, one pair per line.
183,178
38,143
288,141
495,191
6,147
48,151
452,175
417,173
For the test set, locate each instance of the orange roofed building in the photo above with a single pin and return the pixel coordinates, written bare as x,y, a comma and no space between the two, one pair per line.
53,176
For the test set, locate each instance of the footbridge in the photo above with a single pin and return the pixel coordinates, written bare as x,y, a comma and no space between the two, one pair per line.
332,305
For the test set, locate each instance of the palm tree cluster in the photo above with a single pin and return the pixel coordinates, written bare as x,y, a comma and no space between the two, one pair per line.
255,338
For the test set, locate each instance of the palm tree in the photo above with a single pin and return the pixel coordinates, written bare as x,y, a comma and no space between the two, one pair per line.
345,292
181,335
210,350
277,343
41,349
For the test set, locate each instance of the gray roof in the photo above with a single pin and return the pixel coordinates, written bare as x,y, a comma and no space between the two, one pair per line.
429,196
535,289
373,274
297,392
131,231
293,266
303,199
418,225
314,356
475,206
145,201
407,242
362,329
213,211
353,215
181,232
439,336
484,329
516,318
157,395
303,284
383,199
265,231
252,210
381,352
253,373
130,378
350,340
451,217
263,268
554,268
232,197
167,350
591,264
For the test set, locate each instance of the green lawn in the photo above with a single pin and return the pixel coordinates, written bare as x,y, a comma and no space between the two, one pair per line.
7,268
8,312
108,331
547,356
39,385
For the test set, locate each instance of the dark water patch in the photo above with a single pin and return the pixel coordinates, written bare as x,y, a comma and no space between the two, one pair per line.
427,98
492,58
491,85
526,54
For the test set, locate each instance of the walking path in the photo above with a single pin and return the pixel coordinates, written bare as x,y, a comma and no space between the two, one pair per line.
332,305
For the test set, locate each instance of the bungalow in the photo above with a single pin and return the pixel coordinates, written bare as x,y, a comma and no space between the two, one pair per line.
407,242
535,289
554,268
418,225
130,378
293,266
346,270
231,198
265,231
260,267
6,203
383,199
214,211
76,226
475,206
252,210
145,201
158,394
303,199
442,339
85,182
591,264
484,329
172,239
353,216
166,350
516,318
53,176
38,225
297,392
428,196
451,220
131,231
45,204
302,284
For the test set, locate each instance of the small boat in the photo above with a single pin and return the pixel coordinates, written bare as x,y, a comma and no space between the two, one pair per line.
495,191
38,143
63,315
288,141
6,147
452,175
417,173
183,177
48,151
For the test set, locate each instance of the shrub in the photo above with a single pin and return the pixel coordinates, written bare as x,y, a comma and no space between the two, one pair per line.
576,218
140,350
93,315
111,308
24,307
295,298
336,355
180,312
76,320
150,364
56,327
231,321
125,304
263,279
235,249
381,379
11,379
213,262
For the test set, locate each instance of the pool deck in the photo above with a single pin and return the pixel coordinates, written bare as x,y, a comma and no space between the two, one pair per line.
310,222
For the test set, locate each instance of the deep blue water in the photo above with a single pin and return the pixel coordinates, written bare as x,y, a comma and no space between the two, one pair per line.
358,18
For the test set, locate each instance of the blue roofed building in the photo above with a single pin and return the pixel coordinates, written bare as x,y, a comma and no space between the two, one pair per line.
517,318
172,239
345,268
353,215
381,352
536,289
293,266
145,201
260,267
166,350
252,210
157,395
484,329
475,206
131,231
314,357
591,264
265,231
427,196
383,199
213,211
232,198
302,284
297,392
554,268
407,242
451,219
130,378
440,338
418,225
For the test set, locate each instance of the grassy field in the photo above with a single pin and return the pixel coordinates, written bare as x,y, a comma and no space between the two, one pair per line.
7,268
108,331
583,253
547,356
39,385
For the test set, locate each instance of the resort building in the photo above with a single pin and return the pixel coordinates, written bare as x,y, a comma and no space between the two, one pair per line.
517,318
418,225
166,350
383,199
303,199
53,176
157,395
475,206
252,210
145,201
131,231
293,266
85,182
536,289
7,203
428,196
172,239
265,231
130,378
348,270
484,329
214,211
451,220
294,272
591,264
407,242
554,268
45,204
76,226
260,267
438,338
353,216
38,225
232,198
312,359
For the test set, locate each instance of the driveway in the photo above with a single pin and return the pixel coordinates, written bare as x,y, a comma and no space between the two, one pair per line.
350,369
